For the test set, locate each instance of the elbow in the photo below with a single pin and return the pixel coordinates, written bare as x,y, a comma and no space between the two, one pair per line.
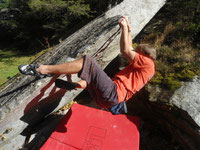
125,50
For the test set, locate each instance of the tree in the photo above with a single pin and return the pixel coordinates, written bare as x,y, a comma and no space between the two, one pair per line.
40,20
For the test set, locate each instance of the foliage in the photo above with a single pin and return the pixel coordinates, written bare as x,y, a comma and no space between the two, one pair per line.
171,83
186,16
5,3
39,22
46,6
8,64
8,25
78,7
32,25
172,67
10,60
177,39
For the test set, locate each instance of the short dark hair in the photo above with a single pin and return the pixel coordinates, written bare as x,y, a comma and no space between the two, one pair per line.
147,49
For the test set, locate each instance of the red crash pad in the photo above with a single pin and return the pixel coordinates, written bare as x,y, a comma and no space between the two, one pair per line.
85,128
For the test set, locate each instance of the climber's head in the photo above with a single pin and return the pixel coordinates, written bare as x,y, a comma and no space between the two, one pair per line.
147,50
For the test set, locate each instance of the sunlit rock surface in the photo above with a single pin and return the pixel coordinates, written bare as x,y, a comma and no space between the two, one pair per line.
187,98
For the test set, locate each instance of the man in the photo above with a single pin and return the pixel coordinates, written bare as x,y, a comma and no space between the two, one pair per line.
108,93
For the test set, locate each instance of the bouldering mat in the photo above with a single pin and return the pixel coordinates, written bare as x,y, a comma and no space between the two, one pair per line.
85,128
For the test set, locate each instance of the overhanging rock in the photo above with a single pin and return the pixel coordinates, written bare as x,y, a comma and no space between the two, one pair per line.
26,100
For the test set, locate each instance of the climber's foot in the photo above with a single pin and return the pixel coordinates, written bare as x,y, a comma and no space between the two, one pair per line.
30,69
66,84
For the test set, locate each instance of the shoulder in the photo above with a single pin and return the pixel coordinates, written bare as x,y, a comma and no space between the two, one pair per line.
142,60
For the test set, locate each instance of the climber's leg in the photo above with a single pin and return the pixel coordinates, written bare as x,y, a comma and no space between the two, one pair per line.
101,87
46,70
66,68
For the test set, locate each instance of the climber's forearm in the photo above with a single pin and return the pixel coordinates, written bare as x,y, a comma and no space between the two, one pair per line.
129,37
124,41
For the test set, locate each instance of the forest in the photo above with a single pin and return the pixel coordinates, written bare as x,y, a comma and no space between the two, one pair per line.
37,24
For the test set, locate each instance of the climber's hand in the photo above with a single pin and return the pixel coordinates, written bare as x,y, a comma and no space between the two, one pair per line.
122,22
127,22
126,18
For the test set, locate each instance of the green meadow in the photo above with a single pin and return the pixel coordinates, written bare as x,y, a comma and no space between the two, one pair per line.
10,60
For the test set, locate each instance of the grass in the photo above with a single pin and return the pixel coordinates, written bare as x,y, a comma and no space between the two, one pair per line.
177,56
174,66
10,60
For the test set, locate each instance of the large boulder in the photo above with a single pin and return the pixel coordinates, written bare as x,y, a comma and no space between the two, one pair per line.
176,112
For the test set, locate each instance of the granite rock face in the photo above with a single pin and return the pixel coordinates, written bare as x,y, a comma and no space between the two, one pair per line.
25,100
187,101
177,114
187,98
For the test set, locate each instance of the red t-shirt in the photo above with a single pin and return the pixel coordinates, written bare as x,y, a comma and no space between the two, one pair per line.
133,77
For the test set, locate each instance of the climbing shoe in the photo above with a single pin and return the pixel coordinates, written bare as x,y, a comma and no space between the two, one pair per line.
66,84
30,70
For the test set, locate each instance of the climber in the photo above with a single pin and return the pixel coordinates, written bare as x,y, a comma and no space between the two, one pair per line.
108,93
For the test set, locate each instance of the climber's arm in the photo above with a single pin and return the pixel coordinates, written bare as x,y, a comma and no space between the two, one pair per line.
125,43
129,31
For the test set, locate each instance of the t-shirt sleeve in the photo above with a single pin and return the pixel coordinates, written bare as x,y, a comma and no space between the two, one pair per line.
142,62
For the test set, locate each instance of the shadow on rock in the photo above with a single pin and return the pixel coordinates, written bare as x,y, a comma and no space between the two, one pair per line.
62,125
44,130
37,115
